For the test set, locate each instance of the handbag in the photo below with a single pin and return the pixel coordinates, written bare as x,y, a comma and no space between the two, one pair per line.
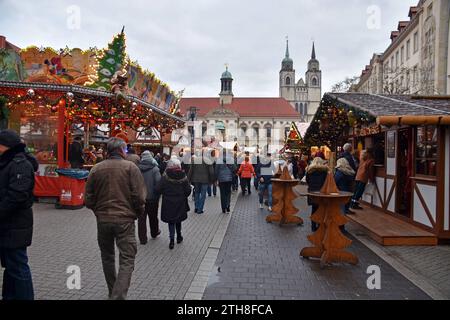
370,189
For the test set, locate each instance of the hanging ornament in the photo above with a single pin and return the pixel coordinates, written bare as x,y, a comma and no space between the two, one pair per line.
30,93
69,96
54,109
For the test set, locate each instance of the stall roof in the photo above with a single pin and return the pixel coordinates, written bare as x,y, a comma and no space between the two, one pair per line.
85,91
396,105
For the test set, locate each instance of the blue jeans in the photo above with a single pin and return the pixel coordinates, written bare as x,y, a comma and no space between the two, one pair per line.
262,189
200,195
172,228
214,190
359,191
17,281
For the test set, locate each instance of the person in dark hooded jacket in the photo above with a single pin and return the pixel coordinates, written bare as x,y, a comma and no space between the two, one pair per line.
175,190
16,215
150,171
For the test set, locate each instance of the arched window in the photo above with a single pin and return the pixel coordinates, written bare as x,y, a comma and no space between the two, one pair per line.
288,81
243,131
314,81
256,132
301,108
268,128
286,131
305,109
296,107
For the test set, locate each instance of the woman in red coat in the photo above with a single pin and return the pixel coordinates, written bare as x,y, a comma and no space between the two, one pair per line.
246,172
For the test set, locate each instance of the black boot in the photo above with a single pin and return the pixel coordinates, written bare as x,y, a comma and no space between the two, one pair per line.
171,244
179,239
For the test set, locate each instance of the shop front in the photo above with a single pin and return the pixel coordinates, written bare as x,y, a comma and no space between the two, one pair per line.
94,95
409,137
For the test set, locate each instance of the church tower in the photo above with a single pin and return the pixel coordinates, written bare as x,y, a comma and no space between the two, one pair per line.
314,83
226,92
287,77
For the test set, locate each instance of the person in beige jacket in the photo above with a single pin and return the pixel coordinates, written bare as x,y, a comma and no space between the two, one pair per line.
116,192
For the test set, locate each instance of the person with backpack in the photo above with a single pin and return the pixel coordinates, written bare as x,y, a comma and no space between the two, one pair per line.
224,173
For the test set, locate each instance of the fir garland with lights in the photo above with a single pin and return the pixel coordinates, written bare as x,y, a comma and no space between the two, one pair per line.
332,120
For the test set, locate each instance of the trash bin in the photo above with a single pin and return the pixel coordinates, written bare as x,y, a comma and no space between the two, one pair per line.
72,185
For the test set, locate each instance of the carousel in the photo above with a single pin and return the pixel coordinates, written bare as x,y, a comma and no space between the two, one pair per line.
50,97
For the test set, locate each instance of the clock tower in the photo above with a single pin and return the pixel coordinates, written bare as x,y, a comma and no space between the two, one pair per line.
226,92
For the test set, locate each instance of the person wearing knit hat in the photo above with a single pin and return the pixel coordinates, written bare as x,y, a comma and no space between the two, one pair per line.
16,216
316,174
147,156
150,171
175,190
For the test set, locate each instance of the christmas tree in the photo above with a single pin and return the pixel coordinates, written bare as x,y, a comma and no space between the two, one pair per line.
294,141
111,61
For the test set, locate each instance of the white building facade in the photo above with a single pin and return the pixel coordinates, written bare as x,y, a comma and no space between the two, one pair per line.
261,123
416,62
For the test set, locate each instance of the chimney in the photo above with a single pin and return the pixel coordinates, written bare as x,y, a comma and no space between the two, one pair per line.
2,42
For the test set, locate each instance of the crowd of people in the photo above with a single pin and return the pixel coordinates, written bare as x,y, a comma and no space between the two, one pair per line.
124,187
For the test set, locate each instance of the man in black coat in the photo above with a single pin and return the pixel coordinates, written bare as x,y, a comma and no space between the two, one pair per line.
76,154
16,216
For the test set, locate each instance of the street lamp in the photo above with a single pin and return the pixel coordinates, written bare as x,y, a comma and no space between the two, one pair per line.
192,117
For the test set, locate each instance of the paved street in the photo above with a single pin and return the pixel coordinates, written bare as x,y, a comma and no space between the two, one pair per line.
256,260
63,238
261,261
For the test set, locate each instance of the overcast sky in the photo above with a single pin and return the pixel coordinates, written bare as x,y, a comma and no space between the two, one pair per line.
187,42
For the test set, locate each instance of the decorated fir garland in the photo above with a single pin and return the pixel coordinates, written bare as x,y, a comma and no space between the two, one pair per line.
332,119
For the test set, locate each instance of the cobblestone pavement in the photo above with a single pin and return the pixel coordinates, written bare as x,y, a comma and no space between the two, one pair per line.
428,267
258,260
63,238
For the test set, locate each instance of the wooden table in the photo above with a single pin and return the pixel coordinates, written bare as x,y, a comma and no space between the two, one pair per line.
329,242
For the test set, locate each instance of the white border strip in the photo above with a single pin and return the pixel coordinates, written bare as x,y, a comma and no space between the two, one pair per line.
201,278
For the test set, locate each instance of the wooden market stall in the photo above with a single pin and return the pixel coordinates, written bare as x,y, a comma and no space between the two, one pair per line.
96,94
410,138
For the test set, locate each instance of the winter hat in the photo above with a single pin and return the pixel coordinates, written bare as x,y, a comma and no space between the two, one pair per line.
317,164
173,164
146,155
9,138
343,165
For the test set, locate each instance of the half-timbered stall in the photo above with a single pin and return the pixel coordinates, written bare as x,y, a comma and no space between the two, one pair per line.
410,139
50,97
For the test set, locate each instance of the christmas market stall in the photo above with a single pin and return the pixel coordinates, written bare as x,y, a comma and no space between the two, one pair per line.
50,97
410,140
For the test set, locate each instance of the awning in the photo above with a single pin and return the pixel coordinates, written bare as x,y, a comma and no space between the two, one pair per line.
228,145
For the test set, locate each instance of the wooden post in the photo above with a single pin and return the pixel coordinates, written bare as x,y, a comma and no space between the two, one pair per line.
61,129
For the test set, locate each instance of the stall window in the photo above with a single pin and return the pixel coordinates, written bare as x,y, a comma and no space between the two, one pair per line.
426,150
379,145
38,127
